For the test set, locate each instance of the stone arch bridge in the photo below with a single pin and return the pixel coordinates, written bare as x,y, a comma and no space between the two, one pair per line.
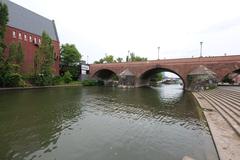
221,65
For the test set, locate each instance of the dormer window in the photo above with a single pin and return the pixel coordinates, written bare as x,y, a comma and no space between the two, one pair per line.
14,34
19,35
25,37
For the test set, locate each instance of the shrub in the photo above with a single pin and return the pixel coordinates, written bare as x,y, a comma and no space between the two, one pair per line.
89,83
57,80
42,80
67,77
14,80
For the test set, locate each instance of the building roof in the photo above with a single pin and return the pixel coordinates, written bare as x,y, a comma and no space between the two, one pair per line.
26,20
202,70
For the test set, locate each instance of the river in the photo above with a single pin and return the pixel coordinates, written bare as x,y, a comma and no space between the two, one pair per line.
103,123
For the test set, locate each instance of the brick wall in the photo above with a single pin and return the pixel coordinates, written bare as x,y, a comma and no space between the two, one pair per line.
29,48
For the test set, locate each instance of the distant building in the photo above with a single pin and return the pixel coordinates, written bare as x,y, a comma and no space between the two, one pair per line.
26,27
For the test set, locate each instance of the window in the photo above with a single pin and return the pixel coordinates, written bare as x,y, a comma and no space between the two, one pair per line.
14,34
19,35
30,39
39,41
25,37
35,40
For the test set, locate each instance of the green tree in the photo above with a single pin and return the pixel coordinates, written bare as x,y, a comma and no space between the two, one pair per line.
70,60
106,59
16,54
43,62
70,55
135,58
44,57
109,59
3,25
119,59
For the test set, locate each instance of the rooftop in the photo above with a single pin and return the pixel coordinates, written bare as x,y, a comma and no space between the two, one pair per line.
24,19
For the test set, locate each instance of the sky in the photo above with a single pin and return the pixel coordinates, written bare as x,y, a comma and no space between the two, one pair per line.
113,27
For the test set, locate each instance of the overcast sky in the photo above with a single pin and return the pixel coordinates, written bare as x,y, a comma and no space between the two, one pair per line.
99,27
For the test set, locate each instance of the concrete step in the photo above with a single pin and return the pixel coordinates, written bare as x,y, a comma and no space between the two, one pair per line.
236,89
235,99
231,121
231,101
226,104
236,96
226,108
227,90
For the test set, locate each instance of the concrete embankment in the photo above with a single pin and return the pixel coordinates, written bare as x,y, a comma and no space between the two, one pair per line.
221,108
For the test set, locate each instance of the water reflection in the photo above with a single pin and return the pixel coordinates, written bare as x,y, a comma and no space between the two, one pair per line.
102,123
33,120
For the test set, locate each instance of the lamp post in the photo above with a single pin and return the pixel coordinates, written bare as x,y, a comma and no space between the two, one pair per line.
158,51
201,43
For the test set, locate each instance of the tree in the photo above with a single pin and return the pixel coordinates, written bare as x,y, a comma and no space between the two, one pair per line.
3,25
44,58
135,58
70,55
43,62
119,59
16,54
106,59
70,60
109,59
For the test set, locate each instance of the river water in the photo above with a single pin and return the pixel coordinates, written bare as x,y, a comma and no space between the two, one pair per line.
103,123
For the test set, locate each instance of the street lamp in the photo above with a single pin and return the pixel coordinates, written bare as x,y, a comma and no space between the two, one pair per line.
158,51
201,43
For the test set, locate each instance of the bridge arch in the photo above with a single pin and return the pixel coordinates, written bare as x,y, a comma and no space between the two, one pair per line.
231,76
104,74
144,78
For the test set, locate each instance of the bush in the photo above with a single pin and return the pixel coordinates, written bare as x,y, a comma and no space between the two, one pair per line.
89,83
57,80
67,77
42,80
14,80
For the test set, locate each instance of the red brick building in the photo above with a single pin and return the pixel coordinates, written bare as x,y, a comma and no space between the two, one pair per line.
26,27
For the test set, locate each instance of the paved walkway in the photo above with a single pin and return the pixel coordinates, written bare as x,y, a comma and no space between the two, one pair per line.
221,108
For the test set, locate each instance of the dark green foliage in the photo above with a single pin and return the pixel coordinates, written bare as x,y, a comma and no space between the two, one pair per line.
74,70
106,59
42,80
70,56
89,83
44,58
14,80
119,60
157,77
134,58
9,76
9,66
226,79
67,77
70,60
16,54
57,80
3,25
43,62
